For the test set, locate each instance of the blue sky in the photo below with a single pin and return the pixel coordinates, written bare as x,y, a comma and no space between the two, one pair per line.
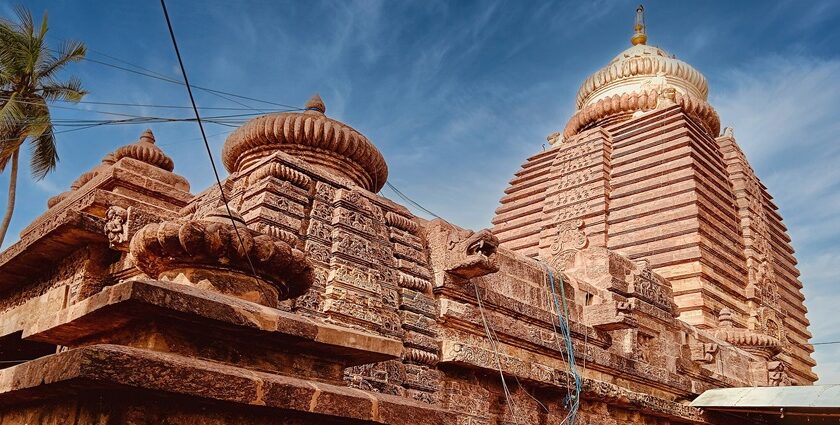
456,94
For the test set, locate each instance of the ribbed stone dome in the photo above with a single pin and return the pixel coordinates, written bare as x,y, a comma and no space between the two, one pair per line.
640,79
640,67
313,137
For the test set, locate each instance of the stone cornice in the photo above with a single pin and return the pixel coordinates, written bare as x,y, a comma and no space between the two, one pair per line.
629,103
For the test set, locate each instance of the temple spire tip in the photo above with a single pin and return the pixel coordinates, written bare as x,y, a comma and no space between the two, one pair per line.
316,104
639,30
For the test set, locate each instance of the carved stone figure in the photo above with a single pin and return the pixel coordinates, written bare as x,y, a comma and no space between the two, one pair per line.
471,254
777,374
460,254
116,228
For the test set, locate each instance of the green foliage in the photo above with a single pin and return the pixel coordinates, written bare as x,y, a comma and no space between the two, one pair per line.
28,82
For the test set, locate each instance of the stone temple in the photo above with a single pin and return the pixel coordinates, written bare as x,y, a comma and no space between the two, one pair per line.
632,265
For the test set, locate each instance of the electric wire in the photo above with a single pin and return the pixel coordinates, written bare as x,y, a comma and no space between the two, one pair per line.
564,323
409,200
149,105
496,351
202,88
204,137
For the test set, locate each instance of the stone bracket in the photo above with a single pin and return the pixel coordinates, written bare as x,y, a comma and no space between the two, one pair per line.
611,316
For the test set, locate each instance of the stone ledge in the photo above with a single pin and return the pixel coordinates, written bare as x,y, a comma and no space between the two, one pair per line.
546,376
53,238
107,367
115,306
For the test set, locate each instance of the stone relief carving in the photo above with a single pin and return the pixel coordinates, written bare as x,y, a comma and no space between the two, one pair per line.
116,227
651,287
777,375
570,235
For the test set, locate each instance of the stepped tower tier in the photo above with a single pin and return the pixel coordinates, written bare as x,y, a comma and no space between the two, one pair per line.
641,168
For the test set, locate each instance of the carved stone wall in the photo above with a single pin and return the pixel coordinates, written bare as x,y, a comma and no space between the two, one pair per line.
309,299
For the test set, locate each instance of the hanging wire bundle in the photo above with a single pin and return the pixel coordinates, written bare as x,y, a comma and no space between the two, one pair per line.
561,309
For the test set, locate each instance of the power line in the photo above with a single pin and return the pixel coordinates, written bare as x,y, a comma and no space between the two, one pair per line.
204,136
148,105
409,200
205,89
133,115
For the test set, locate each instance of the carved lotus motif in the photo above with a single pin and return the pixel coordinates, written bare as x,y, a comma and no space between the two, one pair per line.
211,252
761,345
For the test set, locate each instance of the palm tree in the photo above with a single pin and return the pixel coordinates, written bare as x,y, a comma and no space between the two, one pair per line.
28,71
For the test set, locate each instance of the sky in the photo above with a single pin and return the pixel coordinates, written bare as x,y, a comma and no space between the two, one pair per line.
456,94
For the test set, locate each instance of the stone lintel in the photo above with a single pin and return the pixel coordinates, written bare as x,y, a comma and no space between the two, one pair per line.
105,368
183,305
51,239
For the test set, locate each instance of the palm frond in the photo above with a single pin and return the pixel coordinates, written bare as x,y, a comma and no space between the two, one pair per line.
25,23
44,154
70,51
13,53
12,112
70,90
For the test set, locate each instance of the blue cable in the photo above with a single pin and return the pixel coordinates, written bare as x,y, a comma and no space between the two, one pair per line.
567,337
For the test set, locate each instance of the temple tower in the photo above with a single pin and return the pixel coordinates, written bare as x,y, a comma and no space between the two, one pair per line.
643,169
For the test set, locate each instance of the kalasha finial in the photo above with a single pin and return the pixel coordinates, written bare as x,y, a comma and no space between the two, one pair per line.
316,104
640,33
147,136
145,150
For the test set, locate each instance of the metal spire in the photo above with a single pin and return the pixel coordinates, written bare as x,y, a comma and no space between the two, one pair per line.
640,33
